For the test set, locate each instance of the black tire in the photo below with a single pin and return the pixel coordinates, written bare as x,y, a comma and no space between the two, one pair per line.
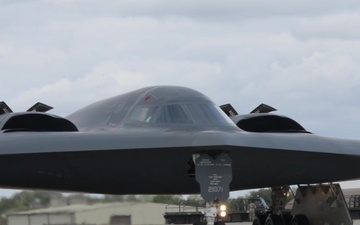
300,220
287,219
273,220
219,223
260,219
257,221
199,223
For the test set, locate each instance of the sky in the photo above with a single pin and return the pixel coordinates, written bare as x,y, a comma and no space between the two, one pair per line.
301,57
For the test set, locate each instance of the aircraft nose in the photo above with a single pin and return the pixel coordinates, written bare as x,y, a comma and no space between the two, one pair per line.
212,138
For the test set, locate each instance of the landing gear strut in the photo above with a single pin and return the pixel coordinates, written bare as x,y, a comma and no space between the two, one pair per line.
275,215
214,175
213,213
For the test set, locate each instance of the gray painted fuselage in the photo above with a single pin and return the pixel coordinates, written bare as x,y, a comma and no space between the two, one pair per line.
141,143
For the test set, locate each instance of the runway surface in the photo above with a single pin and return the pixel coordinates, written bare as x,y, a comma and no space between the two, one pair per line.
356,222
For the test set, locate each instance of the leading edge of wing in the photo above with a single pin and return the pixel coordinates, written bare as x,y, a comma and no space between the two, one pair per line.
157,161
37,142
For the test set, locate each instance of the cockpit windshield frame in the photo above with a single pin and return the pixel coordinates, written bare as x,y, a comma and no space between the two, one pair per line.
184,113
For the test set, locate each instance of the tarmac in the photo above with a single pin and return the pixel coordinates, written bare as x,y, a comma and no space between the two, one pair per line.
356,222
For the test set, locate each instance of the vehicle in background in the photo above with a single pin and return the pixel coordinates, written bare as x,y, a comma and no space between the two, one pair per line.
236,210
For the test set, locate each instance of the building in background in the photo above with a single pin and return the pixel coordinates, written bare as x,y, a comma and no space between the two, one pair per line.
96,214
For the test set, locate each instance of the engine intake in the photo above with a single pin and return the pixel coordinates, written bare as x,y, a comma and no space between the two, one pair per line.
267,123
28,121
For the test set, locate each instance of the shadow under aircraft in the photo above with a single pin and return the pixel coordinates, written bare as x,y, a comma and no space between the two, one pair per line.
170,140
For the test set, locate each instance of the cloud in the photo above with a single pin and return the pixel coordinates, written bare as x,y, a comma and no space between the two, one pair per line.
301,57
113,78
66,93
337,26
209,9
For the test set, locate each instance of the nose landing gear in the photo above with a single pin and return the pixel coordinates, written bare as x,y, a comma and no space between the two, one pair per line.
214,176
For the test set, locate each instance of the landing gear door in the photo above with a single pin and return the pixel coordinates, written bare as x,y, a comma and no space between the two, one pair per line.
214,176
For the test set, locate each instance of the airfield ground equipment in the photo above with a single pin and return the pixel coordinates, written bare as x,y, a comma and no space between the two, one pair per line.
199,215
354,206
234,211
322,204
239,209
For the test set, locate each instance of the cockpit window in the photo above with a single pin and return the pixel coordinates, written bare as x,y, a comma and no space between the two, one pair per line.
210,114
173,114
193,113
143,113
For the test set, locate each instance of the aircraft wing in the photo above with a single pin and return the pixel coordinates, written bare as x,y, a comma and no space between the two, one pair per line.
144,143
145,162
